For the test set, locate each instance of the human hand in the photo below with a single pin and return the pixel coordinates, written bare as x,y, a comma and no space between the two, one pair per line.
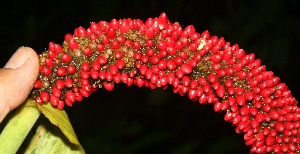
17,79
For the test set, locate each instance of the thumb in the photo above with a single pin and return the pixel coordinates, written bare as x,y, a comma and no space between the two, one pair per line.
17,79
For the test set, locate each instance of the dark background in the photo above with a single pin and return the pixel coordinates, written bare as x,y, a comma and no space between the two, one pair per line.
139,120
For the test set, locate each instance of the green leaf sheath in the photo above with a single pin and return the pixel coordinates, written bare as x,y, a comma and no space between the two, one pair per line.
60,119
18,127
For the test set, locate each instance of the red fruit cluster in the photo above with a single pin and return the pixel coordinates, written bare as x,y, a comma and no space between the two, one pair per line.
158,53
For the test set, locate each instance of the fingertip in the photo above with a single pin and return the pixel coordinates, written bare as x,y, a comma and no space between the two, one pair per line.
28,72
32,62
21,56
19,78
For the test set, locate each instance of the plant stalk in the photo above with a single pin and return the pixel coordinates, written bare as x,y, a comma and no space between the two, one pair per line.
18,127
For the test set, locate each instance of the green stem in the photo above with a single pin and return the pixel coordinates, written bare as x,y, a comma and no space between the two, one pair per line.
18,127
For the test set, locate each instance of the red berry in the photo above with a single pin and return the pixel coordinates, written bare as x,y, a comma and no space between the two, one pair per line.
49,62
187,69
84,74
240,100
124,27
140,82
54,100
202,81
162,45
94,74
70,96
192,47
289,126
240,53
215,58
155,70
52,54
66,58
59,84
100,47
120,64
212,78
68,82
115,45
179,73
47,71
244,111
109,76
229,71
71,69
119,55
38,84
113,69
205,35
137,45
149,43
56,92
102,75
51,46
217,106
101,60
57,48
87,51
231,90
44,96
162,19
73,44
194,84
186,81
137,56
61,71
86,87
121,39
105,41
60,105
249,96
162,53
236,120
68,36
178,61
124,77
154,59
170,78
80,31
111,33
114,23
85,66
199,92
95,66
241,75
150,33
108,86
179,45
171,65
144,59
228,83
154,79
221,91
192,63
244,125
239,91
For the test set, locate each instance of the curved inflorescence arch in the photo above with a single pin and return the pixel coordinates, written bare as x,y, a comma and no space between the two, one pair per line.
157,54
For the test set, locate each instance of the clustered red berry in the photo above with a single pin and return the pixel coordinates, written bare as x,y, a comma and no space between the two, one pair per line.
158,53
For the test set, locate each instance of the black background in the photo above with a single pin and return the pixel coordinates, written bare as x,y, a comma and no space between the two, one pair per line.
139,120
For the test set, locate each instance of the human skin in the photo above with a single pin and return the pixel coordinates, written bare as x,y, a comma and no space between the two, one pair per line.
17,79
